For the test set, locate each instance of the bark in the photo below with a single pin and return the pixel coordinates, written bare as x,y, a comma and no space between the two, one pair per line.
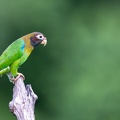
23,102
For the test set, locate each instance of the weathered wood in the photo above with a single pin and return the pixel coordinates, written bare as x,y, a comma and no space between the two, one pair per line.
23,102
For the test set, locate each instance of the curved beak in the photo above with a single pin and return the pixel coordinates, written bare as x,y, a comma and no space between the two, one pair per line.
44,42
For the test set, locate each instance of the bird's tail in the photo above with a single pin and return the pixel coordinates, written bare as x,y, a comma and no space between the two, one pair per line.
4,71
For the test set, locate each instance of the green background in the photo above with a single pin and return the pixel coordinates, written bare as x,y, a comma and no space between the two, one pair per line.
77,75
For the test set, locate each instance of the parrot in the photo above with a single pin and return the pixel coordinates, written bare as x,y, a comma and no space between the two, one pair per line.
18,52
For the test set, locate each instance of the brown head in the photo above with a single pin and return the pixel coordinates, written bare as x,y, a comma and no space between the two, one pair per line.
37,38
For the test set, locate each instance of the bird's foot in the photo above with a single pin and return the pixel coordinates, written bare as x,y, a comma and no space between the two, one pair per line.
14,79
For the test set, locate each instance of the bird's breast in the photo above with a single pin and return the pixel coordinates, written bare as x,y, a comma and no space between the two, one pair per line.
28,48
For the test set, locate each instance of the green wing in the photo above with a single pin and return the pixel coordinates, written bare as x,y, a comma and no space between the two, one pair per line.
12,53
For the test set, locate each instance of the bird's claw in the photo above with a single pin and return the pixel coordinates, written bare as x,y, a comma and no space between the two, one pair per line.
14,79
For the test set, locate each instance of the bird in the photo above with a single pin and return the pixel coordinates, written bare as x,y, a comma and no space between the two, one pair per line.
18,52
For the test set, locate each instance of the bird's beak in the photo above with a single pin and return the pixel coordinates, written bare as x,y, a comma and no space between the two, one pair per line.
44,42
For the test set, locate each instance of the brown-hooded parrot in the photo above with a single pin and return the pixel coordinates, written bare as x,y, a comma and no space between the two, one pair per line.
18,52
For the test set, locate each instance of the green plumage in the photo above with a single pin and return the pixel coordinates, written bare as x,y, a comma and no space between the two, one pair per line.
11,56
12,53
18,52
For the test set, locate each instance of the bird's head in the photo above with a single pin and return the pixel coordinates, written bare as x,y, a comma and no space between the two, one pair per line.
38,38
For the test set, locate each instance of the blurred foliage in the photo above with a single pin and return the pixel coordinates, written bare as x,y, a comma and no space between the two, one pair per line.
76,76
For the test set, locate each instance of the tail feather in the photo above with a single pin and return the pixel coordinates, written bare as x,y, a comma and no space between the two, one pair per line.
4,63
4,71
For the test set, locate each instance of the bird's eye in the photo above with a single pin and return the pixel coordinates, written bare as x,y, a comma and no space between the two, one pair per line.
39,36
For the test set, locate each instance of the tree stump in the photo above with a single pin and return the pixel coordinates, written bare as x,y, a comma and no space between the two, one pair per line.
23,102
